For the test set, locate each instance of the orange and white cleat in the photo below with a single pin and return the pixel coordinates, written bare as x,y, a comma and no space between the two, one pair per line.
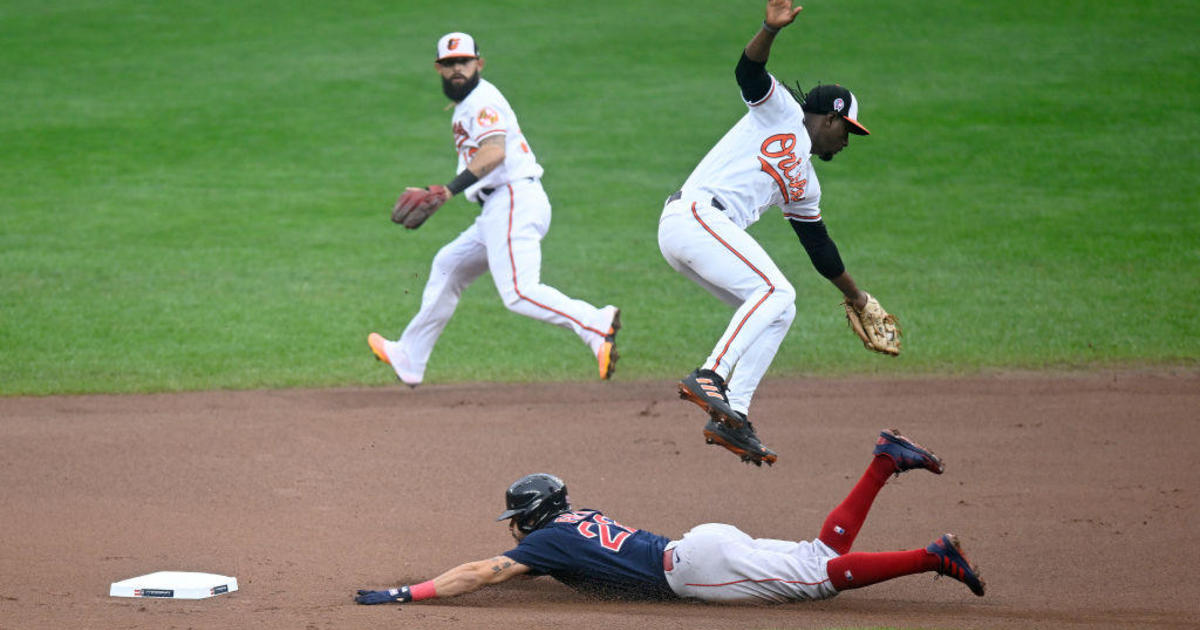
607,357
380,347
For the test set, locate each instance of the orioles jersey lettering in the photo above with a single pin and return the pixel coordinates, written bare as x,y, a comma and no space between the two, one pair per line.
460,134
782,145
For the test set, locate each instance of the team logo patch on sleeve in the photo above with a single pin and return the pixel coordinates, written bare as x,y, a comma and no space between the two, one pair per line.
487,117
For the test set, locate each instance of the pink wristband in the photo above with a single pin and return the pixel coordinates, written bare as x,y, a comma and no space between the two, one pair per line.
424,590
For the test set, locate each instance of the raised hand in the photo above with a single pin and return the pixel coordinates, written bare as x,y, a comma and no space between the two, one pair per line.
780,13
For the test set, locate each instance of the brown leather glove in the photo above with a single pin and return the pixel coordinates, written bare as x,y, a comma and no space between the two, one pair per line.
418,204
878,330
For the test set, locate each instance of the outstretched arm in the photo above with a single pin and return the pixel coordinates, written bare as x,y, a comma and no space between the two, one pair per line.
473,576
780,13
462,579
751,71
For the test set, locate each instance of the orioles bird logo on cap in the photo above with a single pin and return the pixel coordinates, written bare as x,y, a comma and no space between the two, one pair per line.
838,104
453,43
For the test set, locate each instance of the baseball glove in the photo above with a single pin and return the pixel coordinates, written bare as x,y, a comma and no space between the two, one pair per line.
418,204
878,330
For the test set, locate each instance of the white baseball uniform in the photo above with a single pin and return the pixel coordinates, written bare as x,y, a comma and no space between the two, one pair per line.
762,162
505,239
721,563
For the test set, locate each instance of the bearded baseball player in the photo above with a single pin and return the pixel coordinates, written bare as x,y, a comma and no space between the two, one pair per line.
597,555
763,162
498,170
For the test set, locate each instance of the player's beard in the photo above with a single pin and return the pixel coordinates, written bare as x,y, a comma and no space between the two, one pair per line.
457,92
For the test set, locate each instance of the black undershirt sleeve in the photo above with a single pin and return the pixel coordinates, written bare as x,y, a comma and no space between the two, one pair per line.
821,249
753,78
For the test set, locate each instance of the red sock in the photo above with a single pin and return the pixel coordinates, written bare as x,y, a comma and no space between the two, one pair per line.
843,523
857,570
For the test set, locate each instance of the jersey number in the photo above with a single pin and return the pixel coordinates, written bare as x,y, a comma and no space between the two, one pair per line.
610,533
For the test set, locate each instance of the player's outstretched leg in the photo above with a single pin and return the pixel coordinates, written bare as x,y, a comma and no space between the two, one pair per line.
944,555
893,454
456,265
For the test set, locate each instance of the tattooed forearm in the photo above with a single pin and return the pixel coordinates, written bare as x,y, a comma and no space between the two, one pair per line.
500,566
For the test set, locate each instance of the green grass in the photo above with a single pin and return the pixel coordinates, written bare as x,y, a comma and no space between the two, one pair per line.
196,194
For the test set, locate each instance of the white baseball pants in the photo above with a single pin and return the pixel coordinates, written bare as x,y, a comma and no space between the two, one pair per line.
720,563
700,242
506,240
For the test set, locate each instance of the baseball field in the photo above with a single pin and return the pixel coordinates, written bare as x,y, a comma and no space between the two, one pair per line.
194,244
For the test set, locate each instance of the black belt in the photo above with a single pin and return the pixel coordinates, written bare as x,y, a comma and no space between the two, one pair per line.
678,194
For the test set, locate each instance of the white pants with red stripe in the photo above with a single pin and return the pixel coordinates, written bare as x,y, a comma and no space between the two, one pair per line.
505,239
720,563
700,242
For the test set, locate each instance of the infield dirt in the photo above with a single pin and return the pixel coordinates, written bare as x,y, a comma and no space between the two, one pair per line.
1076,494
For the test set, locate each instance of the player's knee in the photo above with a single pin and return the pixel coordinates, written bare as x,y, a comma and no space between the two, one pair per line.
783,298
513,301
785,292
788,313
443,264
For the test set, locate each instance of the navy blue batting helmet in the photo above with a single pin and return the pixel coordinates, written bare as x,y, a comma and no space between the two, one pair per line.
533,500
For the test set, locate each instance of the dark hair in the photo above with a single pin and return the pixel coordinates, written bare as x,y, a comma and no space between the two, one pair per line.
796,92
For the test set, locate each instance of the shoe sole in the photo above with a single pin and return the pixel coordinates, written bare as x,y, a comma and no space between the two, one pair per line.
956,547
747,456
894,436
609,348
702,401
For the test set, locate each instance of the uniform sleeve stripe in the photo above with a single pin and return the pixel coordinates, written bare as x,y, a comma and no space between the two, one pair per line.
491,132
801,217
768,96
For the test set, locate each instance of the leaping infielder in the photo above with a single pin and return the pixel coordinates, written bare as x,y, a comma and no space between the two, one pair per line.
498,170
764,161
